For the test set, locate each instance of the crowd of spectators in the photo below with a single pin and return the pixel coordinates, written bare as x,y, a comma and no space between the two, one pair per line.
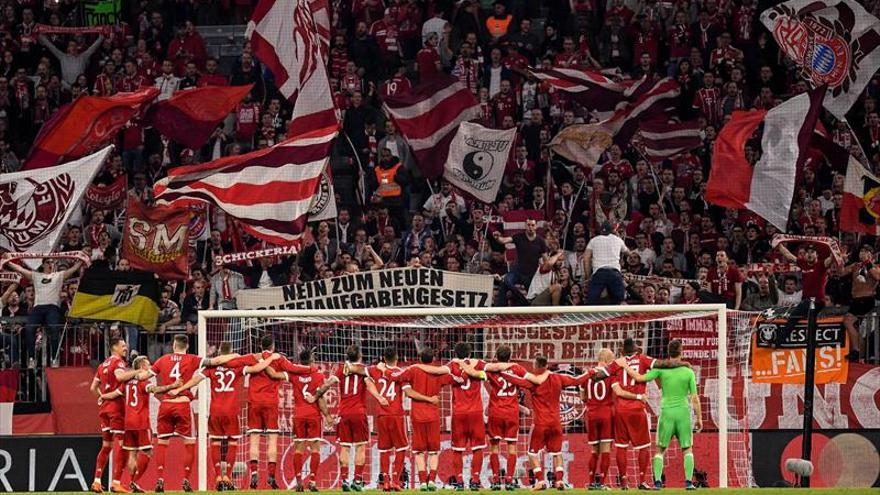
389,215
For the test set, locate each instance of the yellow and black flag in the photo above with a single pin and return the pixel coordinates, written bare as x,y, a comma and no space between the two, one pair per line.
131,296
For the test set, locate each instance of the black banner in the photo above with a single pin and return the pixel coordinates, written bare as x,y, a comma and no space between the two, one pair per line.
775,334
48,464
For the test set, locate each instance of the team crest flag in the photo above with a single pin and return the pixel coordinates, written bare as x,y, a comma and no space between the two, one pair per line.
129,296
833,42
324,204
860,211
477,159
156,239
35,205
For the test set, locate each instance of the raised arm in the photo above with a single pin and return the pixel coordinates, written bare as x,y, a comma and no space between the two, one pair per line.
786,253
502,239
24,272
91,50
72,270
50,46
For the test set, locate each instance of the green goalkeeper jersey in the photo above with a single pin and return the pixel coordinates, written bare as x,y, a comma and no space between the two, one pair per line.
676,385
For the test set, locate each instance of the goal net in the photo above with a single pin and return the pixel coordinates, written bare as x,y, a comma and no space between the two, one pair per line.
569,337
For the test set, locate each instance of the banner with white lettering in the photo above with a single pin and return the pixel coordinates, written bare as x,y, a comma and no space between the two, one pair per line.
397,287
156,239
477,159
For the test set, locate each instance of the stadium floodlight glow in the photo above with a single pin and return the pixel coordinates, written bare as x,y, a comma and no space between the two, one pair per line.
586,329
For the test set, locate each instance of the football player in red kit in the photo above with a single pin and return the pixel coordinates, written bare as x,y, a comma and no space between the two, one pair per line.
631,421
175,410
225,373
138,437
503,419
110,377
546,387
307,412
353,429
599,400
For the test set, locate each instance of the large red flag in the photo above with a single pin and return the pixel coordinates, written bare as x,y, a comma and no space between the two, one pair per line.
156,239
189,117
84,125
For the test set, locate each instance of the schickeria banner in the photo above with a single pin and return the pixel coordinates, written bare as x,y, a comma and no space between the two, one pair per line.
393,288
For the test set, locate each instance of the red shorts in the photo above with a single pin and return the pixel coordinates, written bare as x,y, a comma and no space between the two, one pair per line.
468,429
506,429
426,436
112,422
353,430
600,428
175,418
262,418
222,427
392,433
547,438
632,428
137,440
307,429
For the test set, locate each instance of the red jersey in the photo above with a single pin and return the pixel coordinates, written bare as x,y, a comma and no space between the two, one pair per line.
176,366
261,388
813,278
391,390
106,374
545,397
708,102
503,105
397,85
425,384
247,120
386,35
641,364
724,284
303,384
225,387
600,397
137,405
680,43
467,396
426,61
352,394
504,394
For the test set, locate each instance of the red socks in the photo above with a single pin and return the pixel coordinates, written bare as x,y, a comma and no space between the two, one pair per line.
645,471
594,458
432,475
119,464
297,465
143,461
160,460
314,465
101,461
476,464
604,462
188,458
399,457
621,461
343,470
511,466
423,476
231,450
458,464
270,469
494,464
385,464
359,472
217,459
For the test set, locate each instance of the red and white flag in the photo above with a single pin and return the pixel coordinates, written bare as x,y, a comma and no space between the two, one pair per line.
35,205
287,37
767,187
860,211
590,88
429,117
270,191
662,139
834,42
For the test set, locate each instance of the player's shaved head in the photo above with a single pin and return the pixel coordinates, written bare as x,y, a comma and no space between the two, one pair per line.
606,355
181,342
674,348
502,354
353,353
462,350
267,343
225,348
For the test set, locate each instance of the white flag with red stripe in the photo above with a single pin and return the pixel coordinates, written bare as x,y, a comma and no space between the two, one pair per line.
290,37
270,191
429,117
661,139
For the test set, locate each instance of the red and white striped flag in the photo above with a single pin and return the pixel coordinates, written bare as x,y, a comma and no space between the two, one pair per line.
428,118
287,37
270,191
662,139
661,98
590,88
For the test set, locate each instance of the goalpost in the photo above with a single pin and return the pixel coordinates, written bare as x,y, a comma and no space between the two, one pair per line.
716,343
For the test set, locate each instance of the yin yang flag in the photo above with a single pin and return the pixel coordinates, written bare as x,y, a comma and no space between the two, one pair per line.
477,159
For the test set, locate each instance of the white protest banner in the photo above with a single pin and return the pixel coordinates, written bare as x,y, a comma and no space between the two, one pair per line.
393,288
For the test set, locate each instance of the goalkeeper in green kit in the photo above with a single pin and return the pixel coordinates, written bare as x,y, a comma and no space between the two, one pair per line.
678,387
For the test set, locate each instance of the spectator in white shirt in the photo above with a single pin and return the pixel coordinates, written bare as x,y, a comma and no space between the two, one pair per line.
167,82
602,261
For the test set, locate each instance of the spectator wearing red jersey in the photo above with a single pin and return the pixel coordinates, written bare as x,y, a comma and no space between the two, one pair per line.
385,31
247,121
504,104
726,280
428,60
708,100
466,68
188,45
338,56
399,84
210,77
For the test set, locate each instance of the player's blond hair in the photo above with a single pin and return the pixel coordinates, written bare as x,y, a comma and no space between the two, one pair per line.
139,361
